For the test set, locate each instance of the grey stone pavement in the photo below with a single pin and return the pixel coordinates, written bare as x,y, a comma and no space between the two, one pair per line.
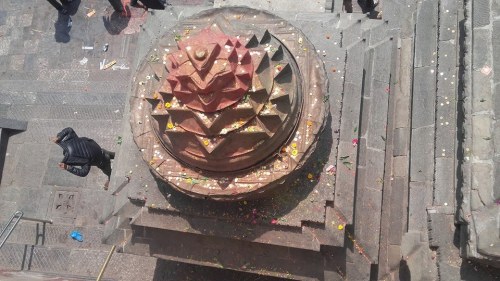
439,149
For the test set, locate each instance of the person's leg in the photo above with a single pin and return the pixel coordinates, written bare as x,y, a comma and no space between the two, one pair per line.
110,154
105,165
56,5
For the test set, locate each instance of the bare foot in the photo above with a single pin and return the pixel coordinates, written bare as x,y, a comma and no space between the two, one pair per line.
106,185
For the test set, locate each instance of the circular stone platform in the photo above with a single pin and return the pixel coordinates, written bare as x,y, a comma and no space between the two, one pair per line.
227,105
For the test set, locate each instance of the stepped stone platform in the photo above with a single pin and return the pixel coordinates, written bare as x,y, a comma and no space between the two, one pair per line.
312,218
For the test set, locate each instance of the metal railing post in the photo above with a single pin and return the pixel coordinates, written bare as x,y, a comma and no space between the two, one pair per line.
17,216
106,263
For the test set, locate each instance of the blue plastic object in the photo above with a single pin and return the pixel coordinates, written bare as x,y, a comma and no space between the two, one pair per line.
77,236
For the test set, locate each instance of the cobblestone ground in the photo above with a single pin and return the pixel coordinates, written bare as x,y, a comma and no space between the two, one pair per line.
50,76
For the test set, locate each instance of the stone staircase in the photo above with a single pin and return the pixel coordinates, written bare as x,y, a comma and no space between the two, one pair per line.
361,65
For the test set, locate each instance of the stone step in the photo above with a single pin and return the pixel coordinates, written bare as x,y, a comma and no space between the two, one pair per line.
7,208
372,145
79,262
273,235
374,31
347,19
258,258
14,275
349,130
353,32
35,233
276,5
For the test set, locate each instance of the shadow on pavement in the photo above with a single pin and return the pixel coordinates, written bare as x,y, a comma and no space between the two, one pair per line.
62,28
64,22
116,23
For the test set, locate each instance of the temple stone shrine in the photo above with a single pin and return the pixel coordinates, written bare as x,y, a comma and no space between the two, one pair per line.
228,111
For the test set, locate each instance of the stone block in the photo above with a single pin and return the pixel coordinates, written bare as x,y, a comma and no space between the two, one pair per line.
482,181
495,8
34,202
495,38
482,146
444,182
309,6
426,34
402,111
475,201
481,48
368,215
12,124
401,141
32,160
345,180
422,154
483,100
400,166
377,120
447,69
480,13
375,169
368,72
486,223
4,45
421,195
397,207
445,126
365,116
382,61
496,186
448,20
424,97
394,256
354,66
349,124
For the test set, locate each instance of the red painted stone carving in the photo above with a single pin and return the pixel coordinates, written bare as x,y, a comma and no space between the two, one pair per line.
210,71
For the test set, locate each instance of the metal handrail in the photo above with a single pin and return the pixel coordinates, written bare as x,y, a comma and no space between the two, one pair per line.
18,216
38,220
101,273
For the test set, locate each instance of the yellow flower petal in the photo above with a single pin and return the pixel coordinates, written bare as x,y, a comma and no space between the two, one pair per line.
294,145
170,125
310,176
168,105
340,227
295,152
206,142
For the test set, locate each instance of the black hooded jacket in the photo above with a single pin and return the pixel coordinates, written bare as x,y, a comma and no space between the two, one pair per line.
83,152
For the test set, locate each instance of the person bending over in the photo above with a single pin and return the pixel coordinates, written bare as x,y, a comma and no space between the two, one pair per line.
81,153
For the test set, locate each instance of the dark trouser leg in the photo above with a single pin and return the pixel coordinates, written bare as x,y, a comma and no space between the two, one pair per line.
108,154
105,165
56,4
117,5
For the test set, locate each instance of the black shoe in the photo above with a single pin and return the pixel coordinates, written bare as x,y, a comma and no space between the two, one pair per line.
109,154
64,12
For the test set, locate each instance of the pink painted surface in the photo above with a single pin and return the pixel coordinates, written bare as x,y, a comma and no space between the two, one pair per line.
210,71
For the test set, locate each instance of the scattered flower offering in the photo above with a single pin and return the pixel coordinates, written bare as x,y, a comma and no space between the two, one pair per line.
354,142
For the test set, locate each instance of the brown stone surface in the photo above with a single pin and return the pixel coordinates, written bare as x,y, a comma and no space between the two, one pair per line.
230,121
